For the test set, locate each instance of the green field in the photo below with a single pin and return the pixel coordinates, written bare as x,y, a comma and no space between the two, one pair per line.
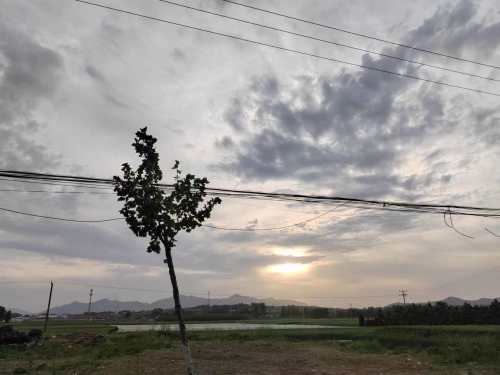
85,347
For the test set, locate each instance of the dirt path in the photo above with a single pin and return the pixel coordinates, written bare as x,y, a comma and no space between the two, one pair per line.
250,358
253,358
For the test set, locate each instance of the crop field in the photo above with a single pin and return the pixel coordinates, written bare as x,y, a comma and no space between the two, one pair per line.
95,348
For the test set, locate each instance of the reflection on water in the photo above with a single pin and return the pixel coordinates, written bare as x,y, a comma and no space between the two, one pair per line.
216,326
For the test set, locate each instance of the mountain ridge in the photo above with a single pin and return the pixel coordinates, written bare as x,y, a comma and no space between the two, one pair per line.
105,304
457,301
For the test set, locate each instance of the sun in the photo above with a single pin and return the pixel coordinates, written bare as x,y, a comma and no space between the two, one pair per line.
288,268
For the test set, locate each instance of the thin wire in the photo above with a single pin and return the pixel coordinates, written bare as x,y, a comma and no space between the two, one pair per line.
303,198
328,41
64,282
292,50
360,34
204,225
59,218
491,232
15,179
337,297
54,192
191,293
452,226
300,223
125,288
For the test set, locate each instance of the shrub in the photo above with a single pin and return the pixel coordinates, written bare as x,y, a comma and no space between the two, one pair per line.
8,335
35,334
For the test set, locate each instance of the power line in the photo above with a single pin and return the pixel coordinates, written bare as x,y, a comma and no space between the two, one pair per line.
331,59
448,209
191,293
53,192
27,181
204,225
303,222
361,35
492,233
204,296
329,41
452,226
60,218
95,286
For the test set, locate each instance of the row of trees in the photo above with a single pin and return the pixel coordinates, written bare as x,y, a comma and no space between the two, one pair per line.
293,311
431,314
5,315
218,312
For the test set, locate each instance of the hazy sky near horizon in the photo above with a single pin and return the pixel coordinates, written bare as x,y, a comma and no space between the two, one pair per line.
77,81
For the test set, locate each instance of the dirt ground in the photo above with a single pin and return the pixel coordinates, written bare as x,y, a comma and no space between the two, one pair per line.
289,358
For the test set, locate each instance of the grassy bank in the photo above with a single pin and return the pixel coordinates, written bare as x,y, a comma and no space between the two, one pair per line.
78,347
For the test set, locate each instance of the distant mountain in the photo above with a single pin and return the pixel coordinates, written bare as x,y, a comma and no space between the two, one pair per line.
456,301
99,306
166,303
191,301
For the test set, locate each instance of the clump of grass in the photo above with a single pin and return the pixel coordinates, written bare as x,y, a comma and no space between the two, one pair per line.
446,346
441,344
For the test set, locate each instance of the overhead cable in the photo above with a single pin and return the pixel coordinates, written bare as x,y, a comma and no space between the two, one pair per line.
295,51
398,44
453,209
329,41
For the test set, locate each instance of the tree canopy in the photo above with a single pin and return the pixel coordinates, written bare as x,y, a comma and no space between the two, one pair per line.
148,209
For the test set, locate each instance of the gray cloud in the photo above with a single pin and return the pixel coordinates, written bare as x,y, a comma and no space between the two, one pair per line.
355,129
455,30
29,74
298,124
334,138
95,74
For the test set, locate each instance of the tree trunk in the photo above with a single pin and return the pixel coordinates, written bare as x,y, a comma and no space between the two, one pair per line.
178,310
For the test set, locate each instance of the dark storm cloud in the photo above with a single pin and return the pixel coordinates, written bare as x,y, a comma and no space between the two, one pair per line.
353,129
456,30
327,138
29,74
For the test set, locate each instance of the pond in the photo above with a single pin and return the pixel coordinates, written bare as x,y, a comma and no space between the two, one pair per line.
217,327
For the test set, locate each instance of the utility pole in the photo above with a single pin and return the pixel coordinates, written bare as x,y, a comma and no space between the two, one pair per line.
403,293
208,299
90,301
48,307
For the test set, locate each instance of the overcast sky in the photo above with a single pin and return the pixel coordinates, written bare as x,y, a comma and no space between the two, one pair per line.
77,81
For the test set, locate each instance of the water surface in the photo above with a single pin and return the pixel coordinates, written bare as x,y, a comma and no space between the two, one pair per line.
217,327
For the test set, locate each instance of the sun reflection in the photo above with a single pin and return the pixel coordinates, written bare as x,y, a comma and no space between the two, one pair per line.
289,251
288,268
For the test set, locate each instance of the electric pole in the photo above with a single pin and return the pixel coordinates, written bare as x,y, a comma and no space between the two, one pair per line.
48,307
403,293
208,299
90,301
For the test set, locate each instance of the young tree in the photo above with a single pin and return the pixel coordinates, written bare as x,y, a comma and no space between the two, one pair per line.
151,212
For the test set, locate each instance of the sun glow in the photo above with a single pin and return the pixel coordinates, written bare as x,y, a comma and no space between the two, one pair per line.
288,268
287,251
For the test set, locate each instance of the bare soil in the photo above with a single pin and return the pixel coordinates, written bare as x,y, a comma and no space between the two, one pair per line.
275,358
